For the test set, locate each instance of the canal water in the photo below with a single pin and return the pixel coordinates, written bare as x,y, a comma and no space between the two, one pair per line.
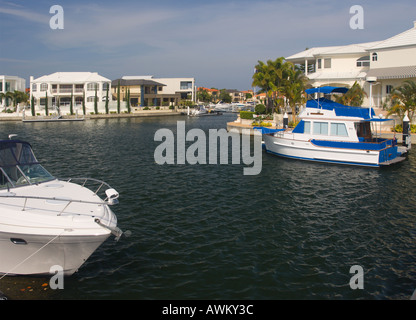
210,232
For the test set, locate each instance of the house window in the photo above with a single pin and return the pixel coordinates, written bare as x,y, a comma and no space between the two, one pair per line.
34,87
44,87
320,128
319,63
92,86
65,88
363,61
339,129
389,88
374,56
327,63
185,85
91,99
79,88
106,86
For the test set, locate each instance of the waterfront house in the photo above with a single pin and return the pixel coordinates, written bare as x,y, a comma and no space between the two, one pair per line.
61,87
10,84
148,91
386,63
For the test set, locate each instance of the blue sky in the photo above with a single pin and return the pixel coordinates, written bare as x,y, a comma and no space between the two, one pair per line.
217,42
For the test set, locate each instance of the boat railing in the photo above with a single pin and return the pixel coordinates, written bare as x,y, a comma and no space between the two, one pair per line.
95,185
57,199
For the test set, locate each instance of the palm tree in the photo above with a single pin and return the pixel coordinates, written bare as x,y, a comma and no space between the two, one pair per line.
403,99
354,96
6,96
272,78
294,88
265,78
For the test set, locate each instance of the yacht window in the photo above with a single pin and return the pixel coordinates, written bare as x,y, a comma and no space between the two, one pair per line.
339,129
4,182
307,127
320,128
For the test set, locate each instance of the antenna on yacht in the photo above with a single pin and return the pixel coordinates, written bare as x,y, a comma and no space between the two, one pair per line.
11,136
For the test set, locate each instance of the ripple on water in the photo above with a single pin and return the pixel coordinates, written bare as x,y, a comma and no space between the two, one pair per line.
209,232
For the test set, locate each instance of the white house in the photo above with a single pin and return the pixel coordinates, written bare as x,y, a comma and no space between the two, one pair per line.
388,63
61,87
11,84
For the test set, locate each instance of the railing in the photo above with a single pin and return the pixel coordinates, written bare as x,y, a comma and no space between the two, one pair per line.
110,199
111,195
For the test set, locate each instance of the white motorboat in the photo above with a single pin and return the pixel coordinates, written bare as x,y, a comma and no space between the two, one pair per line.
45,221
334,133
201,110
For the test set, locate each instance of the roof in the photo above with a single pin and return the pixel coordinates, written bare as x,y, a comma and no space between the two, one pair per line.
324,75
406,38
72,77
135,82
393,73
321,51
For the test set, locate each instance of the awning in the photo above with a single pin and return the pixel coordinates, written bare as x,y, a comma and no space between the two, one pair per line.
393,73
327,89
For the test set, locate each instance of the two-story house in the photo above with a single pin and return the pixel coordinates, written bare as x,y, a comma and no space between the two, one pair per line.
60,87
387,63
149,91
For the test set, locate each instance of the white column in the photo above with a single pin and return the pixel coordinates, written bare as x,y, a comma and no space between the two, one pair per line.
306,67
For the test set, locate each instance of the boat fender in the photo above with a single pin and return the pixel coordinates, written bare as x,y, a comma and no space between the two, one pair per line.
116,232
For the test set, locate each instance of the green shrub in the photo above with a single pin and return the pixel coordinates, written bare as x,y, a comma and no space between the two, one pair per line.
246,115
399,128
260,109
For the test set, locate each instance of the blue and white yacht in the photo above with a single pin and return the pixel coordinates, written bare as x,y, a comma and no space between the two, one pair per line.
334,133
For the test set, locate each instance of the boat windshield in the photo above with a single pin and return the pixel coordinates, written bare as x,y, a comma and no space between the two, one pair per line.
18,165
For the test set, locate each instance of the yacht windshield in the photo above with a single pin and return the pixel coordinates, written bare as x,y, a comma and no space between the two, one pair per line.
19,165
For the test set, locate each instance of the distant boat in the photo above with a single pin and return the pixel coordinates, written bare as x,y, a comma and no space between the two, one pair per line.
201,110
334,133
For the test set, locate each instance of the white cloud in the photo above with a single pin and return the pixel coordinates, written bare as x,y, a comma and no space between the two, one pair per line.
25,14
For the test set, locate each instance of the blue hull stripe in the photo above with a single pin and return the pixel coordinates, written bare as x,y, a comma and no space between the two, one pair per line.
327,161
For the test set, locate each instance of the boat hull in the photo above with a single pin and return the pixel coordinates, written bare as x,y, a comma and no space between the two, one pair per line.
306,150
31,254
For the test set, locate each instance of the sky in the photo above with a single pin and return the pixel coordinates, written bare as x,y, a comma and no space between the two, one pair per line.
216,42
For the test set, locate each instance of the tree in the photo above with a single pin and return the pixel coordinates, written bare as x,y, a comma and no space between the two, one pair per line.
46,104
118,97
84,110
225,96
71,104
270,78
6,96
354,96
293,88
32,106
96,101
106,102
128,101
203,95
403,99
